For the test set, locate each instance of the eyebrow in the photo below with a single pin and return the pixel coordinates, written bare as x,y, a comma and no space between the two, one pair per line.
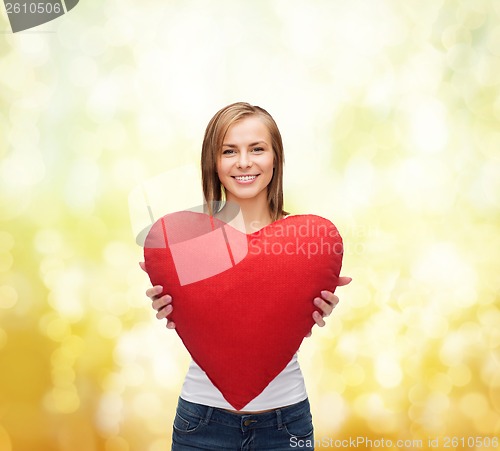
252,144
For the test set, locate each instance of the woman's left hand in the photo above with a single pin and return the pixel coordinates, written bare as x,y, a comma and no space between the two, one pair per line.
326,303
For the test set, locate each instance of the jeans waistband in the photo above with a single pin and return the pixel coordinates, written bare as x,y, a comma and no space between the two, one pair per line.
272,418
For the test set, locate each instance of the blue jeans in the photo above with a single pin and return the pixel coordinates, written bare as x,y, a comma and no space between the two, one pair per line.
202,427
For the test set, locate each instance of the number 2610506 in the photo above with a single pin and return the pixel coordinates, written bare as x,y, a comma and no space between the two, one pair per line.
33,8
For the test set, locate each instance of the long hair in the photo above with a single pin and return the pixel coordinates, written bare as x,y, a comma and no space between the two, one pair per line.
215,133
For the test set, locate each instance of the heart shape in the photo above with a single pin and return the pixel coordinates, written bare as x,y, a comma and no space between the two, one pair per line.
242,302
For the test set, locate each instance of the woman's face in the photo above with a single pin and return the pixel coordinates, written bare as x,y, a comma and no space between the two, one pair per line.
245,165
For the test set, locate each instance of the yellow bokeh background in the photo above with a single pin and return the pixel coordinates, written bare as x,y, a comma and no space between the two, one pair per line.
390,113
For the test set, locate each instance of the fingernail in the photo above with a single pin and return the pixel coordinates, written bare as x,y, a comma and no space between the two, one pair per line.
324,293
317,301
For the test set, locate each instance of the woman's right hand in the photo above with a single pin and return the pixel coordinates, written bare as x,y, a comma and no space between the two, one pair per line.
162,305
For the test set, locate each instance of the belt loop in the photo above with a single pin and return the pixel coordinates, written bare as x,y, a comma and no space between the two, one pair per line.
280,421
208,415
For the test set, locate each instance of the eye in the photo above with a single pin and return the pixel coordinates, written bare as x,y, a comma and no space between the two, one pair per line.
227,152
258,149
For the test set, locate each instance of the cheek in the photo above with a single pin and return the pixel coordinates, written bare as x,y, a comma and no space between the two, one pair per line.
222,167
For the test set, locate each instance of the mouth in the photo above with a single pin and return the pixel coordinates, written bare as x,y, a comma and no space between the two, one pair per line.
245,178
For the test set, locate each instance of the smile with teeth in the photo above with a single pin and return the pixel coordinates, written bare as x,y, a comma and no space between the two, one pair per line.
245,178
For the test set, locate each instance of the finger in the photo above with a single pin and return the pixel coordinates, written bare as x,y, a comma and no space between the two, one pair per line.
159,303
170,324
329,297
151,293
164,312
344,281
333,300
143,266
309,334
318,319
325,307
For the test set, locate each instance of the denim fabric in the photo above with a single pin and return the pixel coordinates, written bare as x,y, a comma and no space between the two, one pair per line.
202,427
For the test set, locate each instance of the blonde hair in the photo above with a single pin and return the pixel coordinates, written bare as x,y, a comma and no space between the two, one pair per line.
217,128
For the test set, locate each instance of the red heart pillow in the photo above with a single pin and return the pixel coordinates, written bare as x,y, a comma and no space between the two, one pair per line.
242,303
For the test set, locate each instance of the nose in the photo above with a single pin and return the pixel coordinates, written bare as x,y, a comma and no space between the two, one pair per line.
244,160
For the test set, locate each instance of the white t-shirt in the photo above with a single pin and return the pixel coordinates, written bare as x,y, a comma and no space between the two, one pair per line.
286,388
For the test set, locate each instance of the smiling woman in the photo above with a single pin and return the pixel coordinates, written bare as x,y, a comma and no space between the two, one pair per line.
242,164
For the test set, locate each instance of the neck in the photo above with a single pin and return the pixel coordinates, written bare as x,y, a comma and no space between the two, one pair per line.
253,214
